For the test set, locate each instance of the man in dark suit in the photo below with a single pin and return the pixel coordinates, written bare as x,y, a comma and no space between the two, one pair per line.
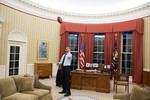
66,68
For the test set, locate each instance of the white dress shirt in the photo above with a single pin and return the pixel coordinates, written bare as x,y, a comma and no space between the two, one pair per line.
67,60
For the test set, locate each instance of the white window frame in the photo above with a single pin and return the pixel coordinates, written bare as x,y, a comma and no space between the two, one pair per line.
75,51
103,46
124,53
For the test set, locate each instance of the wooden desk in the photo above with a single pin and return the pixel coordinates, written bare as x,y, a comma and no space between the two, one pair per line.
90,81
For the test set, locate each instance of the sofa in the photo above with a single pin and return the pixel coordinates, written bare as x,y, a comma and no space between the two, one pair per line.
137,93
22,87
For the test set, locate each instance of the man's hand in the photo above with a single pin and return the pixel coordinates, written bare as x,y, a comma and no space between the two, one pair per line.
57,64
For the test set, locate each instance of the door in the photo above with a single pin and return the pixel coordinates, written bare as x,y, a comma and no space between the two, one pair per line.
16,59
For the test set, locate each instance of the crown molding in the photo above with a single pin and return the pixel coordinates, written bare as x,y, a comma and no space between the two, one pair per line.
32,8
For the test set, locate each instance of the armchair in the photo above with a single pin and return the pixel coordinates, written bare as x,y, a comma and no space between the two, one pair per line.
137,93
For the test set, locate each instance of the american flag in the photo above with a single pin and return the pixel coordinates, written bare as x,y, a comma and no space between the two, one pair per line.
82,56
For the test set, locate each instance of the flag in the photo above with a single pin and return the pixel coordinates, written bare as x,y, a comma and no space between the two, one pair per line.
82,56
115,55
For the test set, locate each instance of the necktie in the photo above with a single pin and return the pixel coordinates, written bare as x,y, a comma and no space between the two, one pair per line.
63,59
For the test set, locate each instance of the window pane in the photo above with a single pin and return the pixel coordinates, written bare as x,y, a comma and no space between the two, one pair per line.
123,63
14,60
123,56
11,64
11,56
17,49
98,56
10,72
12,49
123,70
76,48
129,48
16,71
102,48
129,57
126,57
74,62
16,64
129,41
124,41
17,57
73,44
95,49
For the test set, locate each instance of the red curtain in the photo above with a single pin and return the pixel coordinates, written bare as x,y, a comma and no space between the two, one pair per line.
119,49
72,27
137,64
63,43
108,48
137,26
88,45
91,47
133,25
124,26
99,28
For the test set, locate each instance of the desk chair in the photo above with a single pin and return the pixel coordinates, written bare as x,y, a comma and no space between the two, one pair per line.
101,66
121,79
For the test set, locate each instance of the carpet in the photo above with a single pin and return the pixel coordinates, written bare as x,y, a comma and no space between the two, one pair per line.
77,97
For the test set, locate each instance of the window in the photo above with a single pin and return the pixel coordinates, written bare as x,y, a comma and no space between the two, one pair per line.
98,56
73,44
126,55
14,60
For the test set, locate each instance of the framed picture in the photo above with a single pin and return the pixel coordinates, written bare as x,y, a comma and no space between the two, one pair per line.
42,52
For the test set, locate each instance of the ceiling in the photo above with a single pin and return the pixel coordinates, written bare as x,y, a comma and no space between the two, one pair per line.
90,6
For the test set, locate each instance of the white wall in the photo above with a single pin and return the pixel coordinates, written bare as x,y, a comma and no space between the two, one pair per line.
2,71
30,70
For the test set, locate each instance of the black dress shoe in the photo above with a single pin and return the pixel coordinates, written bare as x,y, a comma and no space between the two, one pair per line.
62,92
66,95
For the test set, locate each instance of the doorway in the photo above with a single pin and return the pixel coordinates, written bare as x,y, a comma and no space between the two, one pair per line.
17,51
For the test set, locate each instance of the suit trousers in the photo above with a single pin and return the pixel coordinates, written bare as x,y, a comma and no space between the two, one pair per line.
59,77
66,79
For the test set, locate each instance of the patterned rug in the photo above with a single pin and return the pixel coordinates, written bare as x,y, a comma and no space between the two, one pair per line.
77,97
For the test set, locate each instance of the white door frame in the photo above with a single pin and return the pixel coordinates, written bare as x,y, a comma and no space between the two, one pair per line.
18,38
22,57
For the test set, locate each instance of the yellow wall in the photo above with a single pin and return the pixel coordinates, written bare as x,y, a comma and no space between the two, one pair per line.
146,43
42,29
35,28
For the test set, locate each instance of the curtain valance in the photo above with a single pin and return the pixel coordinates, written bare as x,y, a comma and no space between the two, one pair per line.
133,25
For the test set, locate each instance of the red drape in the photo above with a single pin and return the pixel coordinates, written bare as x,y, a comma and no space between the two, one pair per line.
137,64
63,43
108,48
137,26
99,28
124,26
133,25
119,50
88,45
138,51
72,27
85,28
